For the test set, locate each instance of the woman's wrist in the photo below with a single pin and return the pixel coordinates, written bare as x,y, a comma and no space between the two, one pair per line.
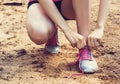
100,26
65,28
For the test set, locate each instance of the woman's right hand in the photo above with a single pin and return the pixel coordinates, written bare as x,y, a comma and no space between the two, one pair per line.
75,39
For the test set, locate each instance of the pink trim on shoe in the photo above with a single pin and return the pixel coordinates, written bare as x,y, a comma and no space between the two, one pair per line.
53,41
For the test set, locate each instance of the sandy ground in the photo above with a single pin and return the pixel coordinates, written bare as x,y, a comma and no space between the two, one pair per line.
23,62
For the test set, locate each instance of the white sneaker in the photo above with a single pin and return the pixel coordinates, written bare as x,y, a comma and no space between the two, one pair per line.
87,63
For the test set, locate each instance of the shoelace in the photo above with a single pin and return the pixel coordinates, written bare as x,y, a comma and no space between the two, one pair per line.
83,55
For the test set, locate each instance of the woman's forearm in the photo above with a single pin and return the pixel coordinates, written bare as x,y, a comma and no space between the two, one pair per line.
103,12
54,14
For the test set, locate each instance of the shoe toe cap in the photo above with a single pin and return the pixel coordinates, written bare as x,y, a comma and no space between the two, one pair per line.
89,66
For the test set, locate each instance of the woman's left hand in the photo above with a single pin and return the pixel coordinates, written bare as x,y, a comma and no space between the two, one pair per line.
95,37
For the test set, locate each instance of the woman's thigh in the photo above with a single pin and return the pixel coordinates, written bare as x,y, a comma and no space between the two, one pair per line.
67,9
38,23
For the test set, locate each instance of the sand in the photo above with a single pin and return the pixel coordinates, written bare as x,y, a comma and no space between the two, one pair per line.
23,62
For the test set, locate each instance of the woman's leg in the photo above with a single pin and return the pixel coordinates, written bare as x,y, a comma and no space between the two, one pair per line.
40,27
79,10
67,9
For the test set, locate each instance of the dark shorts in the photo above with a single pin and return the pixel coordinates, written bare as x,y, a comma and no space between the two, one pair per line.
57,4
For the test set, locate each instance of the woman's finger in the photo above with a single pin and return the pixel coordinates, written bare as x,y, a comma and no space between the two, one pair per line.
88,42
79,43
91,42
73,44
98,40
95,44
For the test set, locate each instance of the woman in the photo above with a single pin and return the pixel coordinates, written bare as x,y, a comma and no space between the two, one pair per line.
45,16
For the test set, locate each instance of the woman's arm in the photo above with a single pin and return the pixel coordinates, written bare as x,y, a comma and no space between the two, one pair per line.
54,14
102,14
95,37
75,39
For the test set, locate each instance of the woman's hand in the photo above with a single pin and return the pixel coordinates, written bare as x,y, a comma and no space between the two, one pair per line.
75,39
95,37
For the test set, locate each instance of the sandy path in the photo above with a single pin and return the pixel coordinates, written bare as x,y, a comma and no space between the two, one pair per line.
23,62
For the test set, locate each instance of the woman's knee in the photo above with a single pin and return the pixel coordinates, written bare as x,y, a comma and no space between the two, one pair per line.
38,40
37,33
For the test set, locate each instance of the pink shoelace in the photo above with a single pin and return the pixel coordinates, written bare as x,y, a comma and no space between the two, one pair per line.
84,54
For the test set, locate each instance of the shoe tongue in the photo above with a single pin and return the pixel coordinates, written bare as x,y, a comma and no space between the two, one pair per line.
85,54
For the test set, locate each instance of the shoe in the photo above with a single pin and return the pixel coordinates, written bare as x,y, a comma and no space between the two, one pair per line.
52,46
87,63
52,49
